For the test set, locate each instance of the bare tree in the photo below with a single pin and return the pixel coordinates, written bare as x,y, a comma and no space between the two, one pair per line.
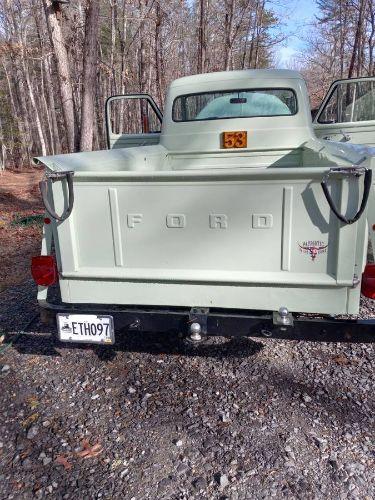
202,36
60,60
53,14
341,44
89,74
356,52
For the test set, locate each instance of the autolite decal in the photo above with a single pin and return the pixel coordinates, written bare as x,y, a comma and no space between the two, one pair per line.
313,248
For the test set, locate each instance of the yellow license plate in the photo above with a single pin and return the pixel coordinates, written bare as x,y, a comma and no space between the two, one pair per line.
234,139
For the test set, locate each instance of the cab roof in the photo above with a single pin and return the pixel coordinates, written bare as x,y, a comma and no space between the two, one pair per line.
246,74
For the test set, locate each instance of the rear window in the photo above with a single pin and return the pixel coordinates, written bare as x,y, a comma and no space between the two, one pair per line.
234,104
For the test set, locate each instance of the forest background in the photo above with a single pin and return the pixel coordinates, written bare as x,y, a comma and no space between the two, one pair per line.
60,60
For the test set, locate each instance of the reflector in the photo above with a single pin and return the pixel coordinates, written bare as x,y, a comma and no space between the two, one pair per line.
44,270
368,281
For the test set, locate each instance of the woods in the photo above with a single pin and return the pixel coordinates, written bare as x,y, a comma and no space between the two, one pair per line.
61,59
340,45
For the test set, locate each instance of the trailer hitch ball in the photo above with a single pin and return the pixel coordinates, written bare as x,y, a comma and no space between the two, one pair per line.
283,313
282,317
195,332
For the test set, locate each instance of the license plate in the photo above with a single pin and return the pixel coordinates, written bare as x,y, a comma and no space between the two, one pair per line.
86,328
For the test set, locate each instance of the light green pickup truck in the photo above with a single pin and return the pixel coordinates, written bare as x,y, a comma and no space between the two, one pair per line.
230,214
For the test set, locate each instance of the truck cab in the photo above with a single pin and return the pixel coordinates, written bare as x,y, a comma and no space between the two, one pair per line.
346,114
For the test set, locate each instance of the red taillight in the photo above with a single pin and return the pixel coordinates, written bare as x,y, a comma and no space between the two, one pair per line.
44,270
368,281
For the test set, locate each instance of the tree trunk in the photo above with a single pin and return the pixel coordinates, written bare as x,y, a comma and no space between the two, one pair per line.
202,36
258,35
89,74
253,36
17,113
158,56
371,40
3,149
63,71
357,38
38,122
52,105
228,33
48,91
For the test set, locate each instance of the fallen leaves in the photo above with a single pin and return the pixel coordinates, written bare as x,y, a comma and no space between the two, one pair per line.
62,460
18,194
89,451
32,402
33,360
30,420
116,464
341,360
17,485
24,454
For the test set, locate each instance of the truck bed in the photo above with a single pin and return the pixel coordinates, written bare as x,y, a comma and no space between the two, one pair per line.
241,238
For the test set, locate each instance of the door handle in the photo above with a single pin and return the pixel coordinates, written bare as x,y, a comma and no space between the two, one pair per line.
345,137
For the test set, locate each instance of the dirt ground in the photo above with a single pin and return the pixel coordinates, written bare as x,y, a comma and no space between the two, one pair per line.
19,198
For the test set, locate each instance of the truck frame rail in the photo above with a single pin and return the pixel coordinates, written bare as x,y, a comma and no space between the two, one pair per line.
227,322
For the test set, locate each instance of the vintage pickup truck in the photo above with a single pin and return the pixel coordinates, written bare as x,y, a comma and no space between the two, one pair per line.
226,215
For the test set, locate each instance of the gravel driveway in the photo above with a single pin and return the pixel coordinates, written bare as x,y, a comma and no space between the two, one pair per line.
236,419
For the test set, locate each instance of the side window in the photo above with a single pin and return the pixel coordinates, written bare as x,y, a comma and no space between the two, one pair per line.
364,106
132,116
350,102
329,113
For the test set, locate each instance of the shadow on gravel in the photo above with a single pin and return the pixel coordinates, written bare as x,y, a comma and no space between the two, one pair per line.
288,384
140,342
31,344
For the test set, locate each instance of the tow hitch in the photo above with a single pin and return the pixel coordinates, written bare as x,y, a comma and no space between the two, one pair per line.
197,325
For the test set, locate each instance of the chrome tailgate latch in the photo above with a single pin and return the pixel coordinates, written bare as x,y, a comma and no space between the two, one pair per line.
43,186
357,172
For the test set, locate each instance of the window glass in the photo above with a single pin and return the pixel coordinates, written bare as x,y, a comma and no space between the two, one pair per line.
350,102
133,116
234,104
364,104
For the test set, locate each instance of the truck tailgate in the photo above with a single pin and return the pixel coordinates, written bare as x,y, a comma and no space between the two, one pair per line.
263,228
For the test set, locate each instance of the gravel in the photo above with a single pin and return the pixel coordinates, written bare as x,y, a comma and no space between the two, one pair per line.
234,419
32,432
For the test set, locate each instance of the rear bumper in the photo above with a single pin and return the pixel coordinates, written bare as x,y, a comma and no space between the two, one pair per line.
226,322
